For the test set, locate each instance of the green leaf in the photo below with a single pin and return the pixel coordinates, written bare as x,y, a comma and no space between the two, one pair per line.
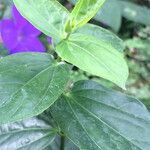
97,118
30,134
135,12
29,84
94,56
84,11
103,35
49,16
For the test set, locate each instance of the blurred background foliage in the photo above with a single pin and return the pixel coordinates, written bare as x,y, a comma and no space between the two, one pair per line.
130,20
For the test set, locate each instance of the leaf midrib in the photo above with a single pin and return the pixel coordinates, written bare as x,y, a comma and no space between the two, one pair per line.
116,108
12,96
82,125
96,43
41,99
105,66
45,90
100,119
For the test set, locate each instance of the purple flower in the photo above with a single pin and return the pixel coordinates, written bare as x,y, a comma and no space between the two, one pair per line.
18,35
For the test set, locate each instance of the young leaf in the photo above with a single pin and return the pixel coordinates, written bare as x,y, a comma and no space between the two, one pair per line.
96,118
111,18
94,56
47,15
84,11
29,84
34,133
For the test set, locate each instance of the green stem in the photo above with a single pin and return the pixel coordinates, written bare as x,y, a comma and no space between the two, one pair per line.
62,144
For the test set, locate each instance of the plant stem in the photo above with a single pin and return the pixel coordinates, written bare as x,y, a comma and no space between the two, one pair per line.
62,144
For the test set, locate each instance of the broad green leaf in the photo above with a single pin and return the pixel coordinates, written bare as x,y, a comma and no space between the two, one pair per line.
135,12
30,134
103,35
49,16
97,118
94,56
29,84
84,11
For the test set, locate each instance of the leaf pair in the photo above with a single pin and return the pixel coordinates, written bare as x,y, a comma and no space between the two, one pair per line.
84,47
91,116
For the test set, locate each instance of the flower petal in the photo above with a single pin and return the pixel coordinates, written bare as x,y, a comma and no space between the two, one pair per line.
0,32
23,24
29,45
9,33
30,30
0,28
18,18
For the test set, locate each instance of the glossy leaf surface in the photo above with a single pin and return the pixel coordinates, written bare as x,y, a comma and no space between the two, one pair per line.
30,134
96,118
94,56
85,10
29,84
49,16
